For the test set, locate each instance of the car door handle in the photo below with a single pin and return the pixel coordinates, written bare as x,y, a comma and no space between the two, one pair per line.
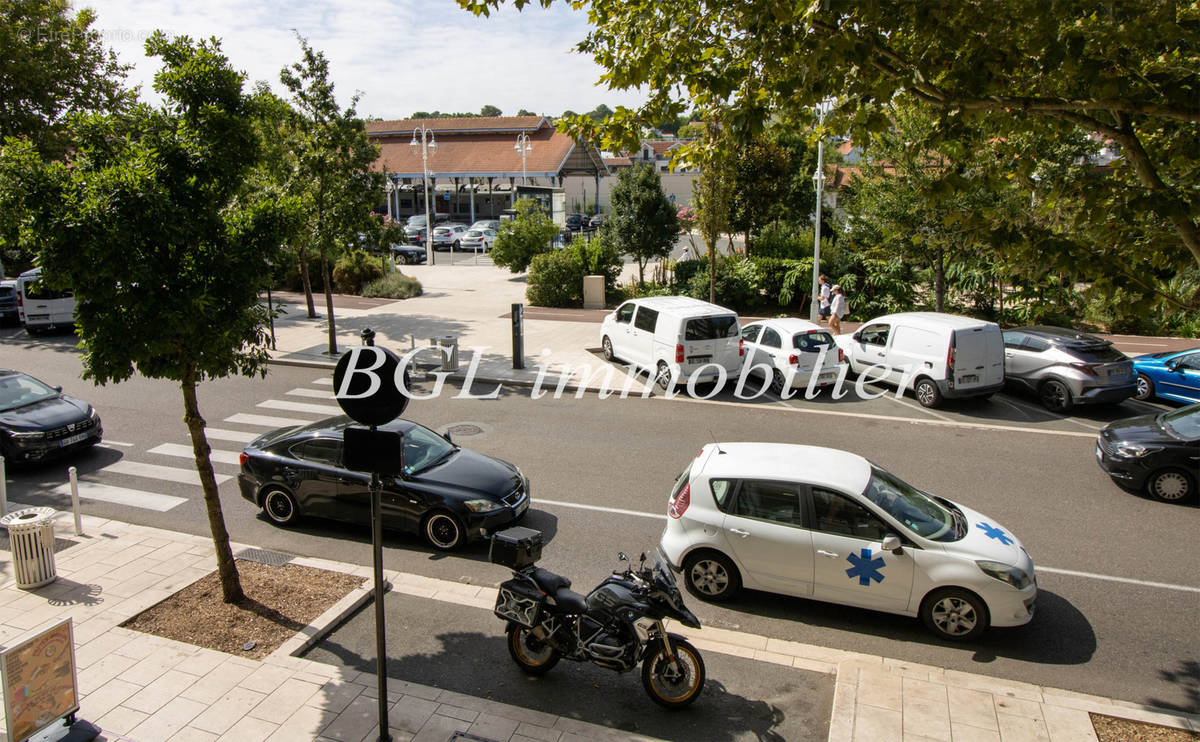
739,532
828,554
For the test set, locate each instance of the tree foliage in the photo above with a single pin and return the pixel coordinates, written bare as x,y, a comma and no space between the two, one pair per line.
527,234
490,110
642,223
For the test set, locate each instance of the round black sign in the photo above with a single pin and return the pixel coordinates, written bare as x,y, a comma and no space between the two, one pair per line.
370,386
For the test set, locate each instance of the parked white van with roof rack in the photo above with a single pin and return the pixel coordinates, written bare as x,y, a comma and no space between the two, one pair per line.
940,356
42,308
674,338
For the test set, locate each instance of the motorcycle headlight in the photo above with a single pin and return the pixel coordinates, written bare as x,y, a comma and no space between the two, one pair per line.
1135,450
1006,573
482,506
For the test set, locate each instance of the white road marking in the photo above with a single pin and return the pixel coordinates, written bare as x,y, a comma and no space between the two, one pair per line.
122,496
265,421
311,393
220,434
324,380
1048,570
153,471
122,444
901,401
185,452
319,409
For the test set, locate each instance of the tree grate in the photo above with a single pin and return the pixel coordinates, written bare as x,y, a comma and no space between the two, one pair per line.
262,556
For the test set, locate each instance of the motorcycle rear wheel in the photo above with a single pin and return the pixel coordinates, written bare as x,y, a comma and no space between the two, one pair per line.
673,687
533,656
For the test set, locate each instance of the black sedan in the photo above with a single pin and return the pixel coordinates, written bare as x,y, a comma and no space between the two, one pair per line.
1159,453
409,254
447,494
38,421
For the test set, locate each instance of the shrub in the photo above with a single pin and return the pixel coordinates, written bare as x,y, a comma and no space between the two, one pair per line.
685,269
527,234
735,283
394,286
555,280
354,269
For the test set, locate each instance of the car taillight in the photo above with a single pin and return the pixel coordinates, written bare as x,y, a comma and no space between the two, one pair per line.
679,354
1085,368
841,356
244,458
950,357
679,503
793,359
741,347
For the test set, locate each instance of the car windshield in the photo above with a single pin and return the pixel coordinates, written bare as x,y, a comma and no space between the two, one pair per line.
918,511
424,449
811,342
1184,422
20,390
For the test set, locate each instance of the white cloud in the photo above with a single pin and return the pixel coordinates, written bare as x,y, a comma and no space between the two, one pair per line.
402,56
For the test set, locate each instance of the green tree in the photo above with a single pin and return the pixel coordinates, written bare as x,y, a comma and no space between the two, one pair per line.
333,178
165,247
761,175
712,193
600,113
490,110
1128,72
524,112
527,234
642,223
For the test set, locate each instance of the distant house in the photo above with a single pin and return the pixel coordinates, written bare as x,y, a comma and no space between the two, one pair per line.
659,152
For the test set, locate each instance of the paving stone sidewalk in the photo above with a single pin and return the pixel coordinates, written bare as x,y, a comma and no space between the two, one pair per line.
148,689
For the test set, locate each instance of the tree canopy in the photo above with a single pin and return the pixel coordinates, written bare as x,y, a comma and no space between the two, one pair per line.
524,236
643,222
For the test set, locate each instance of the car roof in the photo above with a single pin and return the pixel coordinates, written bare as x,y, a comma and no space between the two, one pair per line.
788,324
1061,335
818,465
331,427
931,318
681,304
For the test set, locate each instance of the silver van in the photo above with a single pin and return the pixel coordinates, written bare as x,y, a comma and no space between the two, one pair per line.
675,339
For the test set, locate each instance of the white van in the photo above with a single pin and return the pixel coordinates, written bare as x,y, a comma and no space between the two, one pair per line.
40,308
939,355
675,338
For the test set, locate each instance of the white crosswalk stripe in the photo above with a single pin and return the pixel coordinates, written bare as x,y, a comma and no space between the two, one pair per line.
185,452
122,496
320,409
265,421
238,436
324,380
154,471
311,393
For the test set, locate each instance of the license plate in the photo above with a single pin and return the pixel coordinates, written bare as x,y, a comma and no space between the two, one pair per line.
699,359
1117,372
72,439
828,376
37,316
968,378
522,506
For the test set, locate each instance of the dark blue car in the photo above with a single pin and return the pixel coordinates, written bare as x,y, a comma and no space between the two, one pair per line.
1174,375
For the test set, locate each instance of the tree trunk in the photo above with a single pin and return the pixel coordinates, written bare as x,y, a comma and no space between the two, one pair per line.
939,280
746,244
329,305
231,584
712,272
307,282
641,273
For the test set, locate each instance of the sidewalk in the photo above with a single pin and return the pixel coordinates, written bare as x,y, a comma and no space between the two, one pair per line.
148,689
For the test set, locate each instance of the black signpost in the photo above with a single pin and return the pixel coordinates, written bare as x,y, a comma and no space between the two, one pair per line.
371,386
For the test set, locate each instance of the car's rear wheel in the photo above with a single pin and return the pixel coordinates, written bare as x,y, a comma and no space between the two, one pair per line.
927,392
1145,388
1171,485
955,614
280,506
444,531
662,376
606,345
1055,396
711,576
777,381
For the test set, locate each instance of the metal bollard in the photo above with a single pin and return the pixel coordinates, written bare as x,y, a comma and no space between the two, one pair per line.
74,477
3,490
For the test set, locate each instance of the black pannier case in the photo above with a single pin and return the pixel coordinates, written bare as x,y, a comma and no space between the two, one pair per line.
520,602
516,547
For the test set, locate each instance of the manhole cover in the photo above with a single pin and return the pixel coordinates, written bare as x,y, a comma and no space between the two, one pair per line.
262,556
464,429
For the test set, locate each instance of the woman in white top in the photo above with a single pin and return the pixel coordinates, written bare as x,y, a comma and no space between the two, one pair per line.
837,309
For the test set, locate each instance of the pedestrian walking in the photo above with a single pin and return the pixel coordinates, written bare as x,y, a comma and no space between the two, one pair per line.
685,255
838,308
823,292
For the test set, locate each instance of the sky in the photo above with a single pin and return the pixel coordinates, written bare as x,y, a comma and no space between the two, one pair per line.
402,56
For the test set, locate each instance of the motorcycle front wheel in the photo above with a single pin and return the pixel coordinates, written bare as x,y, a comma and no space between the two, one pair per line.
673,686
532,655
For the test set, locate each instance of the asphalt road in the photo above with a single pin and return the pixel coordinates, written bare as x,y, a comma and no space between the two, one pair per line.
602,468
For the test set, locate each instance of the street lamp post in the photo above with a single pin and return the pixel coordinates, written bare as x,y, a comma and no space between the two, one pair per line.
523,146
426,143
819,181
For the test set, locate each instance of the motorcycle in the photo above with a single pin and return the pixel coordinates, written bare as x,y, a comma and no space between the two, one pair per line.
616,626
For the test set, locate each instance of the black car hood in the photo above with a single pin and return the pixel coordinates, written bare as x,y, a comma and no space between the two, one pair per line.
51,413
468,470
1140,429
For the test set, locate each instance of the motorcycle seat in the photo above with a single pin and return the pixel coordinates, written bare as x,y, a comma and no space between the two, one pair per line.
548,581
570,601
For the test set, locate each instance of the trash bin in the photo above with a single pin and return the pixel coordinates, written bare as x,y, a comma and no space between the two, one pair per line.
448,345
31,539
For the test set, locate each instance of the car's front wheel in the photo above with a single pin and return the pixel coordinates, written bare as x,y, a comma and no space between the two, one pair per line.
1171,485
606,345
711,576
444,531
280,506
955,614
1145,388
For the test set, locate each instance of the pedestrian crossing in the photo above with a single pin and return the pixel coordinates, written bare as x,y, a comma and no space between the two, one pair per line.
174,462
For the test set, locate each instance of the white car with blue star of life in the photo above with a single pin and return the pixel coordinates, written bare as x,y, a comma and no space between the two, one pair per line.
829,525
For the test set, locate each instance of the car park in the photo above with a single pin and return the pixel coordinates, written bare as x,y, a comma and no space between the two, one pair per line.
1174,375
1065,367
448,236
675,339
792,353
447,494
829,525
39,422
414,228
409,254
1158,453
492,224
479,239
596,221
941,356
578,222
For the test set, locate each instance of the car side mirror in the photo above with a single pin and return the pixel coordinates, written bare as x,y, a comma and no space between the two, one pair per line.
891,542
1172,365
857,336
58,389
446,435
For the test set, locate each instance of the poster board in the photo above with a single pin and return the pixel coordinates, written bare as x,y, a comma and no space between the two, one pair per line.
39,681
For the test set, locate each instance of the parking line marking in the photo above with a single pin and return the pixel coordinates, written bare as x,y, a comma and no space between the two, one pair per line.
122,496
185,452
1048,570
319,409
266,421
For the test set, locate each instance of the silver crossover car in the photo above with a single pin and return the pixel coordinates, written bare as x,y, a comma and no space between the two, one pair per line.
1066,367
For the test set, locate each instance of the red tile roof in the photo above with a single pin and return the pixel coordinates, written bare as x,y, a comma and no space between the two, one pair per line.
462,125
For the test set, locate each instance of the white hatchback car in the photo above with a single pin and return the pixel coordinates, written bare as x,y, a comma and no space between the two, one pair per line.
794,351
826,524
